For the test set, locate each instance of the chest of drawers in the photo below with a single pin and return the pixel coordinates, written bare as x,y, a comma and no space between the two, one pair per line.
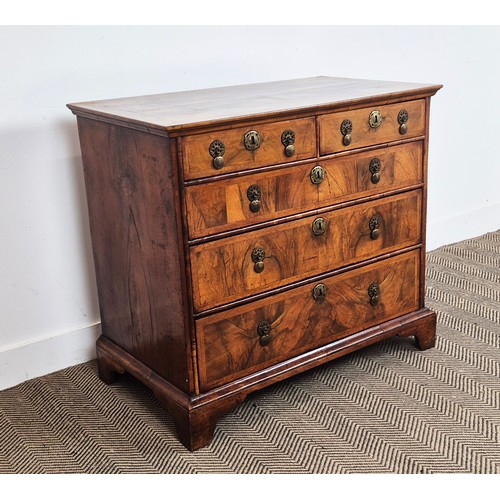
245,234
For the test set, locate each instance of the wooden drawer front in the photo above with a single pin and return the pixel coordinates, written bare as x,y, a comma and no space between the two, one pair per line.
224,271
225,205
198,161
229,343
331,139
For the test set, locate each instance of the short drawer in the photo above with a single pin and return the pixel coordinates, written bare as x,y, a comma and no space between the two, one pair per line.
368,126
239,266
234,203
213,153
249,338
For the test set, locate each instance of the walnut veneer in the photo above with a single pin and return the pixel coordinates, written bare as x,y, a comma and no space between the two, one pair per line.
245,234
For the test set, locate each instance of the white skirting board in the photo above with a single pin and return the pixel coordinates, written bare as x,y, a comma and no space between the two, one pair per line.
19,363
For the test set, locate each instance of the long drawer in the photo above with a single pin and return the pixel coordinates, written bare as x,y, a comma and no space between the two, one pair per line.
248,338
232,268
224,205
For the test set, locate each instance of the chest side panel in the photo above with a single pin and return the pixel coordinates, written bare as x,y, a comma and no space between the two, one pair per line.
134,227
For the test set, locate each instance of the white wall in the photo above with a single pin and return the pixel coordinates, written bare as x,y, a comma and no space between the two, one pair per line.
49,314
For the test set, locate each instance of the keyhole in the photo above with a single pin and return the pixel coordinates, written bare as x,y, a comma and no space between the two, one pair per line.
317,175
319,292
375,119
318,226
252,140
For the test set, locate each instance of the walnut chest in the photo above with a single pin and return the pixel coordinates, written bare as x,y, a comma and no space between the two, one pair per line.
242,235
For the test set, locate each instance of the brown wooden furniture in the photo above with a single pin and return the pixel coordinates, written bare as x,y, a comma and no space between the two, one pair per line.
245,234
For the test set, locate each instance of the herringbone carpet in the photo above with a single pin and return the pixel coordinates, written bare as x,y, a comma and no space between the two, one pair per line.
388,408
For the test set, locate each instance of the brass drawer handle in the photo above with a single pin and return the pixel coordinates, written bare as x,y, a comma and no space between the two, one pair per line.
217,150
317,174
318,226
254,194
346,131
319,291
403,117
258,256
375,165
288,140
252,140
264,332
374,226
375,119
374,293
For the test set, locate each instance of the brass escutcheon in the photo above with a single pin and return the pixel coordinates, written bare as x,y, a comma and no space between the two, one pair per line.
375,119
319,291
317,174
252,140
319,226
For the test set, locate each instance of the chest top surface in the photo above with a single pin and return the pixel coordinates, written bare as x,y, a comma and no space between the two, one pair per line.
176,111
